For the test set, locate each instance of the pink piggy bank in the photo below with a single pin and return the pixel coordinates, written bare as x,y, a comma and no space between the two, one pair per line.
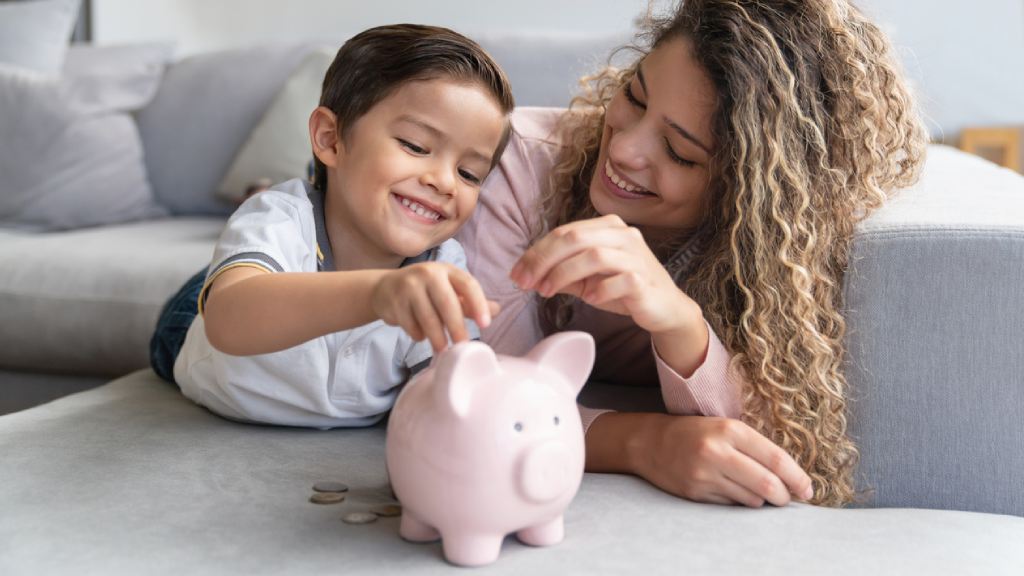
480,446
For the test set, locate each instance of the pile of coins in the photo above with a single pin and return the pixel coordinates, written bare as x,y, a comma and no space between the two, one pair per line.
335,492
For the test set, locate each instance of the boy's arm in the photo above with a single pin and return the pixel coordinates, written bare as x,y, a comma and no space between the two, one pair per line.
251,311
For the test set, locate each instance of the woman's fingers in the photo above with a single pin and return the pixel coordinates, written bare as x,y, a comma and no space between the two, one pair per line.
611,288
775,461
736,493
743,471
581,266
564,242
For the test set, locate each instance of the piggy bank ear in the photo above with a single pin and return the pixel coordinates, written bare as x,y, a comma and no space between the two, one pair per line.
460,370
568,353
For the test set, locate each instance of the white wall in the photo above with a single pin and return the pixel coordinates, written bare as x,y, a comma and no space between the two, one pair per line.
966,57
201,25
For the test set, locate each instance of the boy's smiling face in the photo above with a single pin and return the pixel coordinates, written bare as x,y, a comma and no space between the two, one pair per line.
407,175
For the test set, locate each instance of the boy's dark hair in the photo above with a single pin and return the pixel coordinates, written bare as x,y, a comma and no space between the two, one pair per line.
374,63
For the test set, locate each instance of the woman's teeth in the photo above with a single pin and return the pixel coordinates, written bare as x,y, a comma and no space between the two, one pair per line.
620,182
418,209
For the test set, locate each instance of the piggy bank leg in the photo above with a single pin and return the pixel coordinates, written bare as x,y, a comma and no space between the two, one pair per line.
545,534
415,531
471,549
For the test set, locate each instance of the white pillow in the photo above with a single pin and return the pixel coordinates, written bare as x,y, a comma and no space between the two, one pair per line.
278,148
34,35
71,155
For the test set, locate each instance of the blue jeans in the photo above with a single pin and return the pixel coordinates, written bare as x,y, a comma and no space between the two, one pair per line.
171,327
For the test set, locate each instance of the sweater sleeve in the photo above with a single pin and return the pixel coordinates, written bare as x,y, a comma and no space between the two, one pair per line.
712,390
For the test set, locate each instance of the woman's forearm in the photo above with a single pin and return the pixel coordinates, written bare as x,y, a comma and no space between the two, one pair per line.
265,312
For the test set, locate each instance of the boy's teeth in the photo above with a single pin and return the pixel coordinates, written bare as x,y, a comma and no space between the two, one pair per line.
619,181
419,209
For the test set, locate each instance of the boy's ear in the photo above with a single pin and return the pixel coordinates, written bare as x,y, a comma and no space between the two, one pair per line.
324,135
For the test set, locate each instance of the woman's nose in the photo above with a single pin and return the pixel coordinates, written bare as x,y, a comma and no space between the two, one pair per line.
631,147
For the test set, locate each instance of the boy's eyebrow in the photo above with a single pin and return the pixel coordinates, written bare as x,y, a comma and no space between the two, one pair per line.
679,129
437,133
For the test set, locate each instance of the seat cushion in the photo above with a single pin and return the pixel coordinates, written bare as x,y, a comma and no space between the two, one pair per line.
86,301
132,478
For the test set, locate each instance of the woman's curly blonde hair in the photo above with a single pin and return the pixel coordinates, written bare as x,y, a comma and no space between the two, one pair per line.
814,126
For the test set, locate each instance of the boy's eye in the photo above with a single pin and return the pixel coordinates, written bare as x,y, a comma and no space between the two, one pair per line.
411,147
469,177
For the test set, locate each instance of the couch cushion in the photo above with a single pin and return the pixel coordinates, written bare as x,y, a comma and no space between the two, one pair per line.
132,478
87,300
206,107
936,358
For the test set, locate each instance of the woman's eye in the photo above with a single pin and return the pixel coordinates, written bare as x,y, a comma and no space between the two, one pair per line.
411,147
676,157
469,177
628,90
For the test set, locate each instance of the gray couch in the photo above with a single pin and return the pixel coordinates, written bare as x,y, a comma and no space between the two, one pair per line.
128,476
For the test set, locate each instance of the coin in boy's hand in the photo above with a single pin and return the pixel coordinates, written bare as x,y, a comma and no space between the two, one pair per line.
330,487
387,511
359,518
326,498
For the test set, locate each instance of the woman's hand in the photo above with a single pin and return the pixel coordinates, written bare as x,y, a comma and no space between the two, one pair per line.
609,266
432,298
718,460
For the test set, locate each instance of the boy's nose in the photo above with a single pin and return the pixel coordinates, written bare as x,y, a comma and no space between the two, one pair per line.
440,179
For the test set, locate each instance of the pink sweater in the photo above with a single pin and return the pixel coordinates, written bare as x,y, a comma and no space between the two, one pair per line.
505,221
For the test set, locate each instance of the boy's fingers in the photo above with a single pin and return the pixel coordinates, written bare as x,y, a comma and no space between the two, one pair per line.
447,306
493,307
427,318
472,295
405,318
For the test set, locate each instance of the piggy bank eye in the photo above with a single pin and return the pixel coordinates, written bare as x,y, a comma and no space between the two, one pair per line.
518,426
557,420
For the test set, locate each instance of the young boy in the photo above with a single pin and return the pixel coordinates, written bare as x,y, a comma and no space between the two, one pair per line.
312,308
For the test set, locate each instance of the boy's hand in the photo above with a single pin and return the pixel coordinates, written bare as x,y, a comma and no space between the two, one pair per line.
430,298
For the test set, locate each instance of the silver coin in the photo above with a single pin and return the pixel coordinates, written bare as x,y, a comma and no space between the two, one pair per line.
326,498
387,511
330,487
359,518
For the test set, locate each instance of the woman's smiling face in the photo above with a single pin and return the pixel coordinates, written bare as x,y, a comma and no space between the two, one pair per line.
652,168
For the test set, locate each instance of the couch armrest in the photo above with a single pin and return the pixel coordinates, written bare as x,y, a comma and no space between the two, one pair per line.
935,310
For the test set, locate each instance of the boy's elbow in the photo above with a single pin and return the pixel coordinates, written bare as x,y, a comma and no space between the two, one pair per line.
219,337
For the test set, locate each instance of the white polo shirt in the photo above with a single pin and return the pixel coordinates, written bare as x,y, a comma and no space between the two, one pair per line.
348,378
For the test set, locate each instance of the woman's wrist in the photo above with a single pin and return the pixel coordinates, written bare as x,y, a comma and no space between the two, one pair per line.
622,442
684,346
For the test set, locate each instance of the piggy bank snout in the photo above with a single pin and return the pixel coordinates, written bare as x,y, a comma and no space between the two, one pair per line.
547,471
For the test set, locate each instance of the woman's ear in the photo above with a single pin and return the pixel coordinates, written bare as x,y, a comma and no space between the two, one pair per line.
324,136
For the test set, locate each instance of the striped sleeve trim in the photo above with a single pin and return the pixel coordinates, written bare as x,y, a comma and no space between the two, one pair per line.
256,260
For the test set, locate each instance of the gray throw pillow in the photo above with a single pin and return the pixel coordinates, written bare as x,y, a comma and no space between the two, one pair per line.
204,111
71,155
34,35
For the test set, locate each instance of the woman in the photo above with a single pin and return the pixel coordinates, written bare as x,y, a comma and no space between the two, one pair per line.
694,212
